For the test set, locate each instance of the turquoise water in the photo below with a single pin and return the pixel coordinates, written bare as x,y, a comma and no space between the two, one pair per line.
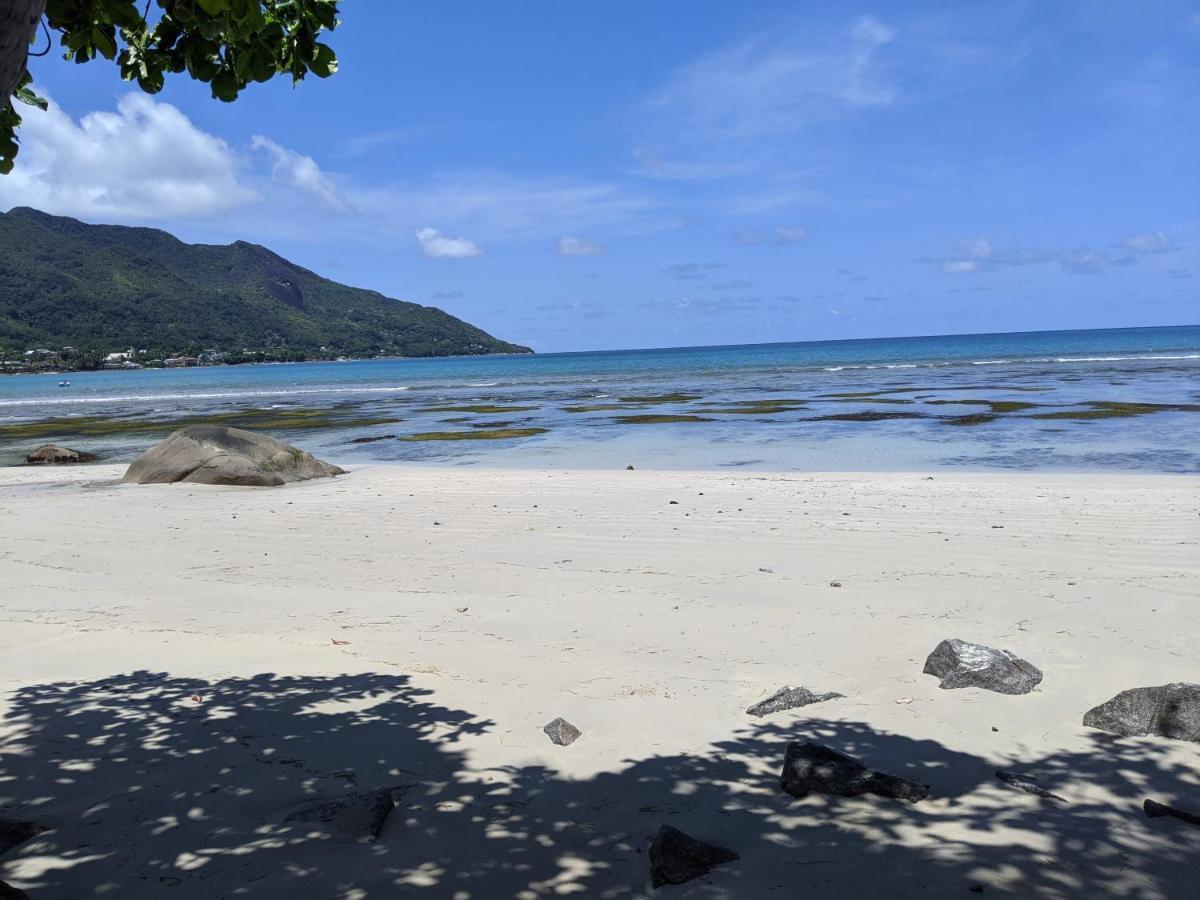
921,405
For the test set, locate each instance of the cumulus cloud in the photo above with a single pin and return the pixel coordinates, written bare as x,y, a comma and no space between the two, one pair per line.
436,245
777,235
300,172
144,161
569,245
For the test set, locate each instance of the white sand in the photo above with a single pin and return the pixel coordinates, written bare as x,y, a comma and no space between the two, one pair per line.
478,605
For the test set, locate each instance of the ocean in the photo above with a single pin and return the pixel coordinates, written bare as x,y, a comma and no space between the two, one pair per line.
1096,400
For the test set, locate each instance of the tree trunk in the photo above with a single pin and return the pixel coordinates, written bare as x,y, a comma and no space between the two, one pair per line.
18,25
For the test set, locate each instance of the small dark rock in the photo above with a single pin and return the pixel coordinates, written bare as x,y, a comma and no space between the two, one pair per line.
1170,710
1028,784
835,584
976,889
629,468
676,857
17,831
1155,810
809,768
54,455
962,664
788,698
562,732
356,814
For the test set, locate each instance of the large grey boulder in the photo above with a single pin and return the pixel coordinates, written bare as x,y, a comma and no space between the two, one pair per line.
357,814
813,768
214,454
789,698
1170,710
962,664
54,455
676,857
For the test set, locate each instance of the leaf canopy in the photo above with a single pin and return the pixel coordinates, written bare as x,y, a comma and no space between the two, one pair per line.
227,44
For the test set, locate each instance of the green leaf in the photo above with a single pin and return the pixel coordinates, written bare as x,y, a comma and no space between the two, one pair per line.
27,96
225,86
104,41
324,62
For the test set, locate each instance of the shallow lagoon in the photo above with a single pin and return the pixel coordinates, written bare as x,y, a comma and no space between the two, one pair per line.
1124,399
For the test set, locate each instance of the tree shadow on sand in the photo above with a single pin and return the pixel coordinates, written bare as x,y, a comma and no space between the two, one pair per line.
156,786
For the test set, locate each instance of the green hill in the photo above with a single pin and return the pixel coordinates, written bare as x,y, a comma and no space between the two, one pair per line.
108,287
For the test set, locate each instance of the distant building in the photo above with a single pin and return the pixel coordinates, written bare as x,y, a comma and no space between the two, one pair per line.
118,360
177,362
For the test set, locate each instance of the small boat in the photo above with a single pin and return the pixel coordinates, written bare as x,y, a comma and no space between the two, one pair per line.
64,384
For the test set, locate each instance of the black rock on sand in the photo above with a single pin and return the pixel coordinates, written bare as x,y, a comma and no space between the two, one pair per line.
789,698
562,732
813,768
676,857
17,831
961,664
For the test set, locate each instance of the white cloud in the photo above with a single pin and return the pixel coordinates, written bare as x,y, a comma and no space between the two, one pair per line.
497,206
767,86
1154,242
299,171
569,245
978,255
778,235
436,245
145,161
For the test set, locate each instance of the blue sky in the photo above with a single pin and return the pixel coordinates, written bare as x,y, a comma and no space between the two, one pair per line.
588,176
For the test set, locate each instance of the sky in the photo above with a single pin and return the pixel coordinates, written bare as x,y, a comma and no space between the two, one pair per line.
577,176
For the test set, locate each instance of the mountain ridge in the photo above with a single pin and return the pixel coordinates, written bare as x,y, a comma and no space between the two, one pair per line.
108,287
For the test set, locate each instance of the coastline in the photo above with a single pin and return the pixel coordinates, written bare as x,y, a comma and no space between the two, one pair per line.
478,604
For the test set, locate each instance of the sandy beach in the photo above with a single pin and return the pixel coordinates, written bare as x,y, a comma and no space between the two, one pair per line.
181,666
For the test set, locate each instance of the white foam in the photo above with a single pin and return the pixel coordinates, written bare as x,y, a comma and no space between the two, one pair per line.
127,398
